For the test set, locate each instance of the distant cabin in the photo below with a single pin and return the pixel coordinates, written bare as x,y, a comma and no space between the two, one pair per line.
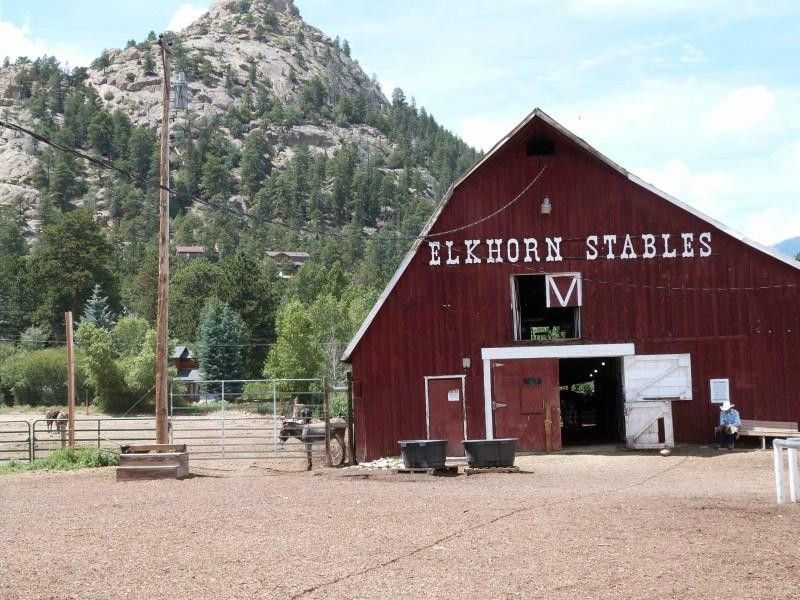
191,252
188,374
290,261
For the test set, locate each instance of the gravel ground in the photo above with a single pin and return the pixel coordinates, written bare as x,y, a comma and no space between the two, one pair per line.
698,524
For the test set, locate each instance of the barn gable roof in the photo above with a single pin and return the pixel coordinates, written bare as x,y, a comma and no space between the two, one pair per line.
545,118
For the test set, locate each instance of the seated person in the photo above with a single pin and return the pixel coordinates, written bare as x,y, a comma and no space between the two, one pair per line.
729,424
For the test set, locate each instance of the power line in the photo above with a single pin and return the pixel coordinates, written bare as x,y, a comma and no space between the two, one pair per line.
645,286
105,164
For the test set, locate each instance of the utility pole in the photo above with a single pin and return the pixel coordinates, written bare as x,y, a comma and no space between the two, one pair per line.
163,258
70,382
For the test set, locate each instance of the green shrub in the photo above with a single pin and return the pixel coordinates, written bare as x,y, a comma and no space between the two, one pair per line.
338,404
40,377
65,459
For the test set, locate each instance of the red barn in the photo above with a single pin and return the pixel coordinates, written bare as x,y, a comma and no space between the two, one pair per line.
556,298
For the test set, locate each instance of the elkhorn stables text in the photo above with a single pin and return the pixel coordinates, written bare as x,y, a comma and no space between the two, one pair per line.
603,247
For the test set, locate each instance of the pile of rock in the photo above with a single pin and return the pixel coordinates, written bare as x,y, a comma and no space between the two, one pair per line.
382,463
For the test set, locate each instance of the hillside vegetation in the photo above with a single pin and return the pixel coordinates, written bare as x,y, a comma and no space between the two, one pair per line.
289,141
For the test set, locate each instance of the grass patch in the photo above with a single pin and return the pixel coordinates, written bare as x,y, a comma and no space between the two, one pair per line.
65,459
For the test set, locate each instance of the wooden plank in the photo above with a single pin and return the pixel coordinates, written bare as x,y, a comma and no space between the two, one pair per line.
770,432
157,448
477,470
150,472
749,423
439,471
161,458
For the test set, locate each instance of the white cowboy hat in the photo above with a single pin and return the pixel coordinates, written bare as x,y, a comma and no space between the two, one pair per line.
726,405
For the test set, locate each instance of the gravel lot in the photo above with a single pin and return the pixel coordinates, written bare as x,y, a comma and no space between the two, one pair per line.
698,524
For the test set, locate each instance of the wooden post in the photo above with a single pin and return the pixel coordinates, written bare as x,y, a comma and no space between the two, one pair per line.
70,380
351,441
327,412
163,259
548,423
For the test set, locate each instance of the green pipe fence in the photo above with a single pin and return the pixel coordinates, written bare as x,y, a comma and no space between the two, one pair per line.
15,441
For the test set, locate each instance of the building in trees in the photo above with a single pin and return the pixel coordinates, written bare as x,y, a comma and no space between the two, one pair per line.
289,261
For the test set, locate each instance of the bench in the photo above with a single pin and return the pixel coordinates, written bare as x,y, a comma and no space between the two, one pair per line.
765,429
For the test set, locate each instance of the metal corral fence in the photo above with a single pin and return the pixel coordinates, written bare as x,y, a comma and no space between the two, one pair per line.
215,419
100,432
15,440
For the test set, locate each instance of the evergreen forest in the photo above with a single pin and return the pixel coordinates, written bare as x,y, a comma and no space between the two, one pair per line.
92,246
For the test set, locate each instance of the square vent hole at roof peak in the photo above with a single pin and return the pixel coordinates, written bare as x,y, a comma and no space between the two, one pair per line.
539,145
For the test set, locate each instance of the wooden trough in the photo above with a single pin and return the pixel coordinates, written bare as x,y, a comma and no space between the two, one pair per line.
153,461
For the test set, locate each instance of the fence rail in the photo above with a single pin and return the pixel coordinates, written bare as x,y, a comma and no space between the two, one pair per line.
15,440
214,420
100,432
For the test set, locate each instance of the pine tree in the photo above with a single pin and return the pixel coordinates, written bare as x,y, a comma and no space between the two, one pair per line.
220,337
149,65
96,310
101,133
255,165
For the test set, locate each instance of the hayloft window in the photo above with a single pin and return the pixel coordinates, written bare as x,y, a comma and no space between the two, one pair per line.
546,307
538,145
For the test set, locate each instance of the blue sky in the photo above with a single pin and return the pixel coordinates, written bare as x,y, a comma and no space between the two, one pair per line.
699,98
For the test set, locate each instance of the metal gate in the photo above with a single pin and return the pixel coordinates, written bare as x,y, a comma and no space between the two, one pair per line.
240,419
15,440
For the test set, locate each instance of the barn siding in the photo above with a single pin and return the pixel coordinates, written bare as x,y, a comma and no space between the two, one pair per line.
435,316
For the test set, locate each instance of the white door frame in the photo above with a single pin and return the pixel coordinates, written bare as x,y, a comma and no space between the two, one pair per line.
463,401
543,351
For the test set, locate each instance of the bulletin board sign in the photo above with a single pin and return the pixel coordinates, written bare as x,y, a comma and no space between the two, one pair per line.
720,390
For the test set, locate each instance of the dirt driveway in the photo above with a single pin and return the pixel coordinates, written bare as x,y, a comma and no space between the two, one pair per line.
619,525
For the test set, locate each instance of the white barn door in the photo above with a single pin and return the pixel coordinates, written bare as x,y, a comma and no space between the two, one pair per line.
651,383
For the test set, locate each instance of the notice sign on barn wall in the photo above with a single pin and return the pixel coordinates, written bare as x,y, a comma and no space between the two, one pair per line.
453,396
606,247
720,390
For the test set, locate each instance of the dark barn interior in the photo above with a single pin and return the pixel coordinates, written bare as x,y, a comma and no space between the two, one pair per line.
591,401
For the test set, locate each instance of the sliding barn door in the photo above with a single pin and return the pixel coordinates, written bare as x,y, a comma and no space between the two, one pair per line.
651,383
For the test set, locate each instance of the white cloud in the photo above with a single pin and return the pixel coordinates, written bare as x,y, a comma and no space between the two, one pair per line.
742,109
702,191
18,41
484,132
185,16
773,225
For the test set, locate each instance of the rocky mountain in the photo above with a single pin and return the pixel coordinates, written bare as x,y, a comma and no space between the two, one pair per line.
250,66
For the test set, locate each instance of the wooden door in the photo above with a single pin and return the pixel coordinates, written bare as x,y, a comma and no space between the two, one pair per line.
446,412
525,402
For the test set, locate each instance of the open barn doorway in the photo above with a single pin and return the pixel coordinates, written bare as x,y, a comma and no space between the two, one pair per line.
591,401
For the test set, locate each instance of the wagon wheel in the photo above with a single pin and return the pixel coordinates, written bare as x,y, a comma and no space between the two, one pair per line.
338,453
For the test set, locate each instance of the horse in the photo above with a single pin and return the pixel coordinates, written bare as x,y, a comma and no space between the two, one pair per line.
57,418
310,433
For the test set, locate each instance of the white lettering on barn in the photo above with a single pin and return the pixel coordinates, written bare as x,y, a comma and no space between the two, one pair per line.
607,247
